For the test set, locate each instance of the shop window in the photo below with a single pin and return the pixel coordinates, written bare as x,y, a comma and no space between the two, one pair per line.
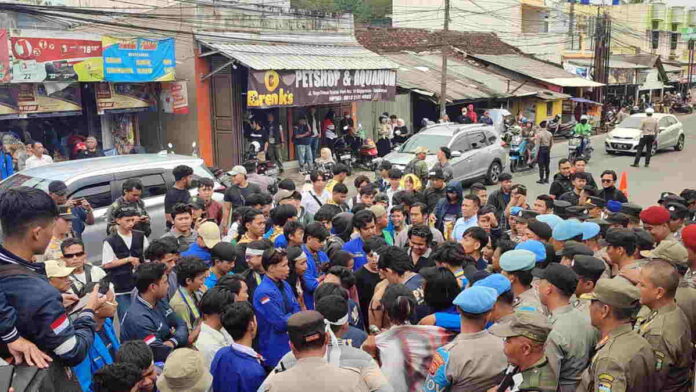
673,41
549,109
655,39
153,185
98,195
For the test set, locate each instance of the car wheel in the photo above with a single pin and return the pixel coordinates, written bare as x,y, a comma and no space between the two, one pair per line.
680,144
494,173
653,152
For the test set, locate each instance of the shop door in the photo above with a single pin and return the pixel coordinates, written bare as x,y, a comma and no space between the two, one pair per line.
227,120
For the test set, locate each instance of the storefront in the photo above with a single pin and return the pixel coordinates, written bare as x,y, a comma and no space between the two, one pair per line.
285,76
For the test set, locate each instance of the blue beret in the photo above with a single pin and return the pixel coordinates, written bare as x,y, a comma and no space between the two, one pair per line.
589,230
550,219
566,230
517,260
476,300
614,205
534,246
498,282
515,210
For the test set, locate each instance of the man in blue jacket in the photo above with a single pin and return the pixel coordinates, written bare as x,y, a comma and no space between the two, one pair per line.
315,235
150,318
364,221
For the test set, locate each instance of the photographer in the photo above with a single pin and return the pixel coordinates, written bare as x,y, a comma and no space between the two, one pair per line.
80,208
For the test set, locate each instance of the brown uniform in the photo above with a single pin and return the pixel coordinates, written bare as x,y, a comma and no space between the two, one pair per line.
686,300
315,374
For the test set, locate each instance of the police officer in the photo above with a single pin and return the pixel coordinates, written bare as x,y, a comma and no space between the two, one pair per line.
517,266
648,132
572,338
502,312
474,360
132,190
589,270
621,247
664,325
624,361
309,341
678,215
529,368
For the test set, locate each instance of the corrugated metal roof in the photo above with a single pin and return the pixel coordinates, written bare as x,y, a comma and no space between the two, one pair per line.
617,64
537,69
301,51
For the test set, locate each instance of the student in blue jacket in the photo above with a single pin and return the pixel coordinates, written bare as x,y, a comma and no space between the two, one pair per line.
274,303
315,236
364,222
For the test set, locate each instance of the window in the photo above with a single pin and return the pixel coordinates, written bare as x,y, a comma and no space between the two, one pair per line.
478,140
98,195
549,109
673,41
655,39
461,144
664,122
153,185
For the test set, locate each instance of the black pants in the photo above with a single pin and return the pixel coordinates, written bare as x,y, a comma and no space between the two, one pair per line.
646,143
544,160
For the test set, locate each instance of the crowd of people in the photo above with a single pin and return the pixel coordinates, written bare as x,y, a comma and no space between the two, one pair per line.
414,284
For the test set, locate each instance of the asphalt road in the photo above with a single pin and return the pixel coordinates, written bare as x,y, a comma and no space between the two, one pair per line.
669,170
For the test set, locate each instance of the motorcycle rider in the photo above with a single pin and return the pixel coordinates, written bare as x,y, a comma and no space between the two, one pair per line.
648,131
582,129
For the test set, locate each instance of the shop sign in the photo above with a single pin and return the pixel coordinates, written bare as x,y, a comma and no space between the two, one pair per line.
60,57
138,59
5,74
124,97
8,101
319,87
49,99
174,98
583,72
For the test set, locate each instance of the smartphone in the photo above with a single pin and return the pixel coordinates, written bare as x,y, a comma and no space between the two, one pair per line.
104,285
6,375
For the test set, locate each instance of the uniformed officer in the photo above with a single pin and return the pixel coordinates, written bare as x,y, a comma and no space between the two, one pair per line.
567,230
589,270
517,266
502,310
624,361
621,250
529,368
664,325
308,341
678,213
656,221
474,360
572,337
632,210
571,249
689,240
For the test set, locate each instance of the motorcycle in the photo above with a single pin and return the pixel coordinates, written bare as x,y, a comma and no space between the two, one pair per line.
344,153
263,166
520,154
574,148
681,108
558,128
367,154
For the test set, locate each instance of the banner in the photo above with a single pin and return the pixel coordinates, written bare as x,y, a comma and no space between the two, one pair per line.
138,59
8,101
174,98
124,97
284,88
49,99
61,57
5,74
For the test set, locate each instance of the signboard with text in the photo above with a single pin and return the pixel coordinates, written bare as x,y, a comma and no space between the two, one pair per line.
49,99
174,98
124,97
286,88
138,59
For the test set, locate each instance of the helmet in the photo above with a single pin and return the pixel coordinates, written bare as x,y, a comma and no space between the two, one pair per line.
583,117
649,111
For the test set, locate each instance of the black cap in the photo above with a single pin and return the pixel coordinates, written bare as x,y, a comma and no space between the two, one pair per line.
594,201
525,215
559,208
644,239
57,187
689,195
631,209
677,210
306,327
542,229
578,212
224,251
436,173
618,218
587,266
572,248
666,197
562,277
65,212
603,225
621,237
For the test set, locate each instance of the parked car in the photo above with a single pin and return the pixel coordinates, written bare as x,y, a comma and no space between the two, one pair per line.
625,137
99,181
476,150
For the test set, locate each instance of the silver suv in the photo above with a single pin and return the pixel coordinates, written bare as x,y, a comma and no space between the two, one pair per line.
476,150
99,181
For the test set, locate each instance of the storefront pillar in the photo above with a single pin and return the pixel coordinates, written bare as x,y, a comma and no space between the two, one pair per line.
205,128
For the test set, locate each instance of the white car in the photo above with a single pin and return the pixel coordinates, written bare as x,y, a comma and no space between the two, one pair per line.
625,137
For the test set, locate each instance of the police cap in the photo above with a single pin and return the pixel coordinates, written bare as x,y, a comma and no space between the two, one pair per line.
532,325
619,293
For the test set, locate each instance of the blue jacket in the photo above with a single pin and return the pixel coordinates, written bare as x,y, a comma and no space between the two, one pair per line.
6,165
236,371
311,276
355,247
143,322
272,314
30,307
97,357
196,251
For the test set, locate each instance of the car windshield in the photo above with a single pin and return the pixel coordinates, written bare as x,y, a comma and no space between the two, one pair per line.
24,180
631,122
432,142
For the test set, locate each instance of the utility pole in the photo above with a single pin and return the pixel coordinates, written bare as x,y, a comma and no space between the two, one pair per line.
445,50
602,56
571,25
690,74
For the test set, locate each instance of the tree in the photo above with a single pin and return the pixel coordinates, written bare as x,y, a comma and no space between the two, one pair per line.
362,10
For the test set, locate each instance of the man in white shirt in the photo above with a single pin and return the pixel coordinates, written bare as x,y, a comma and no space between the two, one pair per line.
74,256
470,207
38,158
212,336
314,198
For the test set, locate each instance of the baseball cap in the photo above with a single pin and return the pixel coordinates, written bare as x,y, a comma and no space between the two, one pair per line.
655,215
436,173
378,210
670,251
476,300
534,246
210,233
517,260
567,229
58,187
57,269
589,230
689,236
618,293
562,277
532,325
237,170
281,195
497,282
421,150
539,228
185,370
550,219
65,212
223,251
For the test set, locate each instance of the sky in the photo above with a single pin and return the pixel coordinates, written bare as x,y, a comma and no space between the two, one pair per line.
681,2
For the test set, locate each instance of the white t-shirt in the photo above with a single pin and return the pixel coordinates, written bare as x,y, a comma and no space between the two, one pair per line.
108,254
310,203
33,161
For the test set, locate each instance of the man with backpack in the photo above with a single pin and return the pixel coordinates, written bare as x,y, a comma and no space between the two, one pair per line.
418,166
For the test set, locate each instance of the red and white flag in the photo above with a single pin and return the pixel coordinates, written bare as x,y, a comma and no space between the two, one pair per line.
265,300
60,324
149,339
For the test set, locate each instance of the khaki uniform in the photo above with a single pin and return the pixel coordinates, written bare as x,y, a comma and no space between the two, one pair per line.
315,374
569,345
686,300
649,126
540,378
582,303
669,333
602,254
624,361
529,301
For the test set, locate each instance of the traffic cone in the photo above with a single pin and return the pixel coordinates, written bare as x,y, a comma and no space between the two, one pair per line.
623,183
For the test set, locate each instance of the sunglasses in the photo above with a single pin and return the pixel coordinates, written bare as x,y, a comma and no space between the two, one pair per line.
605,180
73,255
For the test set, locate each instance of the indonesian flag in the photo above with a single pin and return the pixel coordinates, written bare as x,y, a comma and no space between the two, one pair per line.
149,339
265,300
60,324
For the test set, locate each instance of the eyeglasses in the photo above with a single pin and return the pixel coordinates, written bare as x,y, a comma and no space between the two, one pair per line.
73,255
606,180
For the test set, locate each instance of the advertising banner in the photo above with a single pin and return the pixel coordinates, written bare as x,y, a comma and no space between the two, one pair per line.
38,56
5,74
138,59
174,98
8,101
284,88
124,97
45,100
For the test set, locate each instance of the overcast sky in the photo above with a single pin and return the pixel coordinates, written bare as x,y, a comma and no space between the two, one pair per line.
682,2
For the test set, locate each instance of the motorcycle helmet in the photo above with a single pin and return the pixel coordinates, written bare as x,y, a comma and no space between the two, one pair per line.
584,117
255,145
649,111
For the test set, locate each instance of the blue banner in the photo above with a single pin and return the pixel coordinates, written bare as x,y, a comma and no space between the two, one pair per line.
138,59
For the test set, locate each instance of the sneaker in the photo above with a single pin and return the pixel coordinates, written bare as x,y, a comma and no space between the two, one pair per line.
546,181
634,165
541,181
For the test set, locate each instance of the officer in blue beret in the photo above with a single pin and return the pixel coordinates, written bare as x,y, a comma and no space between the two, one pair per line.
517,266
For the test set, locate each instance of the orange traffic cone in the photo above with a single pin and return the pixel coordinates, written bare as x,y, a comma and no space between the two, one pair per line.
623,183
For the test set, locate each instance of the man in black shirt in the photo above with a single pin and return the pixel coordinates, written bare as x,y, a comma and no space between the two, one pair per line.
561,180
275,140
419,240
236,195
609,191
179,193
91,150
367,277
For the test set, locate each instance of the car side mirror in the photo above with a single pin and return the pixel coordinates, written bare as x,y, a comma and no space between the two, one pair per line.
456,154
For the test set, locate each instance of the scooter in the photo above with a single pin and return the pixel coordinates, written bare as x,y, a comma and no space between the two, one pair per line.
681,108
343,153
574,148
367,154
559,129
520,155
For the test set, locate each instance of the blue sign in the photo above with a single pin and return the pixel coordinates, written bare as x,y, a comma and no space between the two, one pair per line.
138,59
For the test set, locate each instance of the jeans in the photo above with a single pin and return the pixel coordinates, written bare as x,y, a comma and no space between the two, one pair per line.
314,143
304,154
646,143
544,159
124,302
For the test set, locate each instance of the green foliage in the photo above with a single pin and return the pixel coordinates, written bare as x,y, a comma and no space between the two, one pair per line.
363,10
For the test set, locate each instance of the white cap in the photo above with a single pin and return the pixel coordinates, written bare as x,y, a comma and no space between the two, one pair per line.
237,170
649,111
583,117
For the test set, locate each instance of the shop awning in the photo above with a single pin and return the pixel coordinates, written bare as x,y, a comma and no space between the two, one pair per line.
584,100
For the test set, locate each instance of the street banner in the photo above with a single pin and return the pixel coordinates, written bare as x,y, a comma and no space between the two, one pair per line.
174,98
283,88
124,97
8,101
38,56
49,99
5,74
688,33
138,59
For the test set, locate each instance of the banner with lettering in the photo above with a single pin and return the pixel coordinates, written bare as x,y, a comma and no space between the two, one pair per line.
138,59
49,99
174,98
124,97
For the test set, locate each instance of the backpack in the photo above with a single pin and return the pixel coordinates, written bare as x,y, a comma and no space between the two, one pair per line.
411,167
